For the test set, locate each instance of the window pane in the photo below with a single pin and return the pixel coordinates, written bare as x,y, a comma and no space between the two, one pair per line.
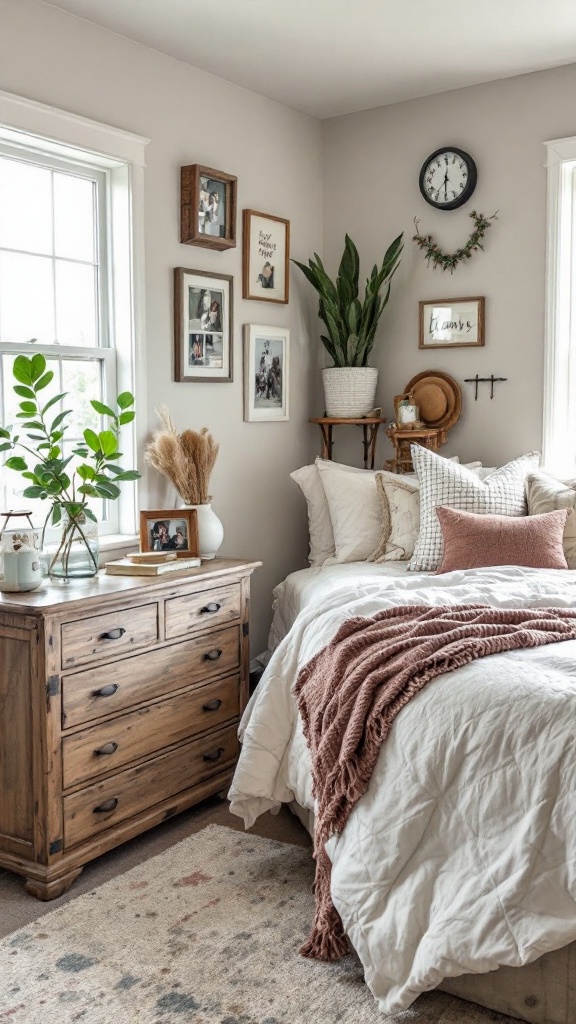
76,322
82,380
74,208
26,298
25,206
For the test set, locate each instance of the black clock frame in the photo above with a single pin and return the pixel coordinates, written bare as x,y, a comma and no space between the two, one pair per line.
470,185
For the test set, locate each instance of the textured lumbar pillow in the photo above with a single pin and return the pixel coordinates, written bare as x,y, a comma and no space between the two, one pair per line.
446,483
545,493
472,541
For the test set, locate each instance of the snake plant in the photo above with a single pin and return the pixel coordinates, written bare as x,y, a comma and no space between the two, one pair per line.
350,323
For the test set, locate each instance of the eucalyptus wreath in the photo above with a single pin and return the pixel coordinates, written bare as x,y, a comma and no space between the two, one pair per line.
449,260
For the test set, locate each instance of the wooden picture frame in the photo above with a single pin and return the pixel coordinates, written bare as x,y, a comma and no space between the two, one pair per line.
178,524
266,374
207,207
203,323
451,323
265,257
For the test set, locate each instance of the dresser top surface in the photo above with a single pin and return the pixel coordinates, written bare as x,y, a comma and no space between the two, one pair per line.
55,596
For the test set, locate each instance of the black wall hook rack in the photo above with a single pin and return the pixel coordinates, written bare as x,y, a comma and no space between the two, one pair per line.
491,380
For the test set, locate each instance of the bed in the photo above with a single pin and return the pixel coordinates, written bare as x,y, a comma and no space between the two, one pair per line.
457,868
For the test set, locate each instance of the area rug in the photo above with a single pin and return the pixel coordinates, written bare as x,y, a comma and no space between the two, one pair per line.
205,933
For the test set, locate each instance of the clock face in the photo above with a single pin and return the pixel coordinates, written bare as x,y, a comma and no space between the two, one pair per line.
448,178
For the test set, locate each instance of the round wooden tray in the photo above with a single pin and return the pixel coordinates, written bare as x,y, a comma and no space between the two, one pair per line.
439,397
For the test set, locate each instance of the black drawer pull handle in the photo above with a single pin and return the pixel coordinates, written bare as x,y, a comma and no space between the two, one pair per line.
108,805
113,634
213,655
212,705
105,691
214,755
213,607
108,748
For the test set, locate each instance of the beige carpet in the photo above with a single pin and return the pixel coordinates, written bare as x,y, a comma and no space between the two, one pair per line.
205,933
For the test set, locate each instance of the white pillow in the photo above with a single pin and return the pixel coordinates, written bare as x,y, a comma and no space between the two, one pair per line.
545,494
354,511
444,483
319,522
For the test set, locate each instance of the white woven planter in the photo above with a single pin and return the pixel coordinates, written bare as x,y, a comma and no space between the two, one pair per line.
349,391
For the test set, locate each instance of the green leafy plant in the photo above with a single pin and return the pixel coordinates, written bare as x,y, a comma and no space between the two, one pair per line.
351,324
51,475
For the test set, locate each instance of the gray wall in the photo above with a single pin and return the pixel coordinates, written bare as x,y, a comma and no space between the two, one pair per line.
371,166
193,117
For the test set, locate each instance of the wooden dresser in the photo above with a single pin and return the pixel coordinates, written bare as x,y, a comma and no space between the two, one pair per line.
119,706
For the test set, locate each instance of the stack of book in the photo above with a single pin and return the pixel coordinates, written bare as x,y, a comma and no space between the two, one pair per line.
151,563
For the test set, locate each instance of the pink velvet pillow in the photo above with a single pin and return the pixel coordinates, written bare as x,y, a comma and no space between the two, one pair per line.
472,541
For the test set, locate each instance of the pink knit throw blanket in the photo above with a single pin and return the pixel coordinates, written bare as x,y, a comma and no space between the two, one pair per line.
351,691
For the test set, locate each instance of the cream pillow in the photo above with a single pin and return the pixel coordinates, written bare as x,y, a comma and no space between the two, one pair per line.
545,493
400,511
319,522
354,511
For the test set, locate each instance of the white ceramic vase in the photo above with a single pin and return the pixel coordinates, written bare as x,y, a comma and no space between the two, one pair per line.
210,531
349,391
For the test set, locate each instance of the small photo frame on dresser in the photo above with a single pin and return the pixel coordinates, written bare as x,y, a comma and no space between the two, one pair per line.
172,529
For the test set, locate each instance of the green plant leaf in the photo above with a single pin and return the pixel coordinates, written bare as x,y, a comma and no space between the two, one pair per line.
56,398
28,407
82,453
89,490
22,369
129,474
59,419
37,366
44,381
56,515
34,492
89,514
86,472
91,440
16,462
104,410
5,446
4,432
126,417
125,399
23,391
108,442
107,490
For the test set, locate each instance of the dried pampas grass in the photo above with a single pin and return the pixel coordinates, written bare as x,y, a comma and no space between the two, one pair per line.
187,459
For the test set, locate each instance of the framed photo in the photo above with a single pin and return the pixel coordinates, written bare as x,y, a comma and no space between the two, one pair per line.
451,323
207,207
202,325
173,529
265,257
266,373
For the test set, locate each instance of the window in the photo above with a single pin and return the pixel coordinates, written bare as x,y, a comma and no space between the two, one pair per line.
69,262
559,432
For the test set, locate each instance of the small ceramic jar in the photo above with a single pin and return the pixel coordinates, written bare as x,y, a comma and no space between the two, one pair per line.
20,566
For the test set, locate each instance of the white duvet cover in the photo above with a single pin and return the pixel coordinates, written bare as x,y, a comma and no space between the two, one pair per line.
461,856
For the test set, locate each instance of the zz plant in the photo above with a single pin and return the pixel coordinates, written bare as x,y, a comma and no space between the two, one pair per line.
351,324
68,482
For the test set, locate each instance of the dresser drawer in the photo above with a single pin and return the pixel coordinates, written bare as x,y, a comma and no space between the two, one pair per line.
144,732
202,611
90,694
105,804
106,636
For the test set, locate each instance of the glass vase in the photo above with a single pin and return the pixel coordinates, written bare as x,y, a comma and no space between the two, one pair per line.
75,554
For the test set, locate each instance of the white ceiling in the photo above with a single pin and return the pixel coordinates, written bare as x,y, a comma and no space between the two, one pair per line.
329,57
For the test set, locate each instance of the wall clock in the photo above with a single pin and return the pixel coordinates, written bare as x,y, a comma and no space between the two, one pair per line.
448,178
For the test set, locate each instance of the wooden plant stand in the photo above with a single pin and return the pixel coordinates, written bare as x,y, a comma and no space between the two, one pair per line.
370,426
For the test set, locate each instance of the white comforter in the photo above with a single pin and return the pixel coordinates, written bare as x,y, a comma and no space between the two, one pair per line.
462,854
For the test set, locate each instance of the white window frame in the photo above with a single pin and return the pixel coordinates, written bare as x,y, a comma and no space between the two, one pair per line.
559,426
26,124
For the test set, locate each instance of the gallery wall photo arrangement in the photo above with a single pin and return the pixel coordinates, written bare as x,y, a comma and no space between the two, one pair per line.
173,529
265,257
207,207
203,308
266,373
451,323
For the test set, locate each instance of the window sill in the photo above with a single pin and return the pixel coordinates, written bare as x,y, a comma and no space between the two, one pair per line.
118,541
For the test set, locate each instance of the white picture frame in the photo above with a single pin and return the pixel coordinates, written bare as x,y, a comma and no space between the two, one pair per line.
203,319
266,374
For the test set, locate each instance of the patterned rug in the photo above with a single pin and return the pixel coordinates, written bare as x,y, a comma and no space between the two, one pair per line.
205,933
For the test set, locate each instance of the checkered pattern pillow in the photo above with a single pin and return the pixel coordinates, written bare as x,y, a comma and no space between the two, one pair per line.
446,483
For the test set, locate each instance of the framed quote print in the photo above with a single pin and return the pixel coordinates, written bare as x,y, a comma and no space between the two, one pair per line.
265,257
451,323
266,373
202,326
